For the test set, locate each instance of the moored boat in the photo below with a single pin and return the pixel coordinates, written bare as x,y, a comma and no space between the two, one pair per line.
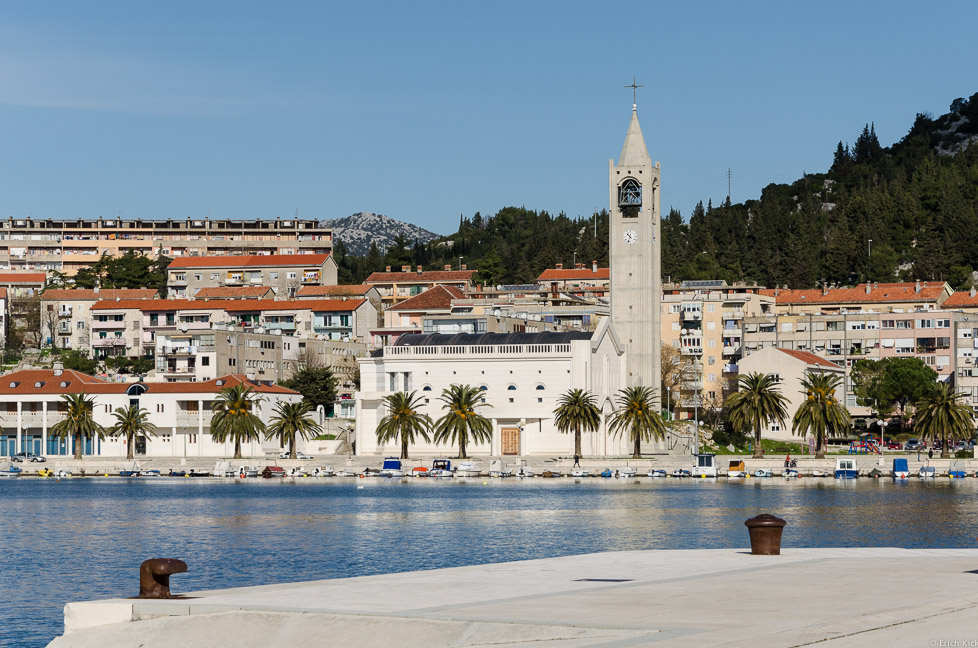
680,472
246,472
419,471
763,472
901,471
737,469
273,472
626,473
524,471
10,470
790,473
392,468
846,469
704,465
956,471
819,473
62,473
606,473
657,473
498,468
467,469
324,471
580,472
298,471
927,472
441,468
224,469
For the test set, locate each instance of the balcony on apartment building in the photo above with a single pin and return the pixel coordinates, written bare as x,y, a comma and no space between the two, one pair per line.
283,324
109,324
730,369
691,314
64,311
109,342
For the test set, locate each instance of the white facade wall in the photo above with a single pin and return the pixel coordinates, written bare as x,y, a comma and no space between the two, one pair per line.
522,386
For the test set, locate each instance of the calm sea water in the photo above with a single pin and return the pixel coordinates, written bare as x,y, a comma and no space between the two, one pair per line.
84,539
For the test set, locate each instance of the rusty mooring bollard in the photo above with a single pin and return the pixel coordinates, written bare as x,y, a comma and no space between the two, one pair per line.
154,576
765,534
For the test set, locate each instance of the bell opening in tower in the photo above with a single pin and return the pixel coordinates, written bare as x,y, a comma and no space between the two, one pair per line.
630,198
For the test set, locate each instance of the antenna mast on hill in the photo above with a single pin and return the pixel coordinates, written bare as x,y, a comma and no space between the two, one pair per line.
728,184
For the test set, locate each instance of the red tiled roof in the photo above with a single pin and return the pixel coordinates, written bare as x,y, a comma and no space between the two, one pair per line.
233,292
300,304
78,383
891,292
160,304
810,358
960,299
435,298
22,277
249,261
333,291
105,293
415,277
571,274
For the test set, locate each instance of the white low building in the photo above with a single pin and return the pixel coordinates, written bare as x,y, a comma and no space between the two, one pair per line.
521,375
31,404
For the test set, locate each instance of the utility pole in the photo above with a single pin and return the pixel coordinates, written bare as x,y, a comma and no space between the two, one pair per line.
728,184
870,247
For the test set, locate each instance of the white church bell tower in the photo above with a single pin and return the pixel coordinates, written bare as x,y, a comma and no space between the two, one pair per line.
635,257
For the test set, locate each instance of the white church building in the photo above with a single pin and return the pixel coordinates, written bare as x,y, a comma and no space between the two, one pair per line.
521,375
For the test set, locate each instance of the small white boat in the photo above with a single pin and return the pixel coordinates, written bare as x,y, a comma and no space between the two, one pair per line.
927,472
819,473
298,471
498,468
62,473
149,472
657,473
524,471
580,472
324,471
441,468
245,472
224,469
846,469
392,468
10,471
737,470
762,472
467,469
680,472
626,473
705,465
346,472
790,473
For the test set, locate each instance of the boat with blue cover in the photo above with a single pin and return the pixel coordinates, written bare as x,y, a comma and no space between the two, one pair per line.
392,468
441,468
901,470
10,471
956,471
846,469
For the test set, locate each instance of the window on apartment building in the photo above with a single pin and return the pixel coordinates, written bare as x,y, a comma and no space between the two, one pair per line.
711,308
290,275
888,324
834,326
232,362
205,361
273,275
711,326
904,324
711,360
196,277
942,323
925,323
711,377
676,326
80,325
712,342
215,276
675,308
154,319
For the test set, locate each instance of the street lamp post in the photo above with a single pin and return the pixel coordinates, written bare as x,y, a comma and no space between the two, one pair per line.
669,401
696,417
870,247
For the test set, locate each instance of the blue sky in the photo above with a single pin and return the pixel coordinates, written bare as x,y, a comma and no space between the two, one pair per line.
425,111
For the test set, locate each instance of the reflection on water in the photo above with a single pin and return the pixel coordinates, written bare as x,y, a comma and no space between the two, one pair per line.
84,538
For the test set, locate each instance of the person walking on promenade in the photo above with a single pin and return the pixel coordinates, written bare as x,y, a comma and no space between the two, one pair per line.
577,461
787,460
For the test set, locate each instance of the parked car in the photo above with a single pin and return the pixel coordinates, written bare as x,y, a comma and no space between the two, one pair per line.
28,456
298,455
893,445
914,444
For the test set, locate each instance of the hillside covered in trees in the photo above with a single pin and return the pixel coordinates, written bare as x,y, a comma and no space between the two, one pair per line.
917,200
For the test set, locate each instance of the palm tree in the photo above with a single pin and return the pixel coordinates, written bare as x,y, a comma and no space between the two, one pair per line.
757,402
575,412
292,420
942,414
637,415
403,421
821,414
233,418
78,423
462,420
131,423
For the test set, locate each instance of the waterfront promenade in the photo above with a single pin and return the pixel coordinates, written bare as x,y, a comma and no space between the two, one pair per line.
722,597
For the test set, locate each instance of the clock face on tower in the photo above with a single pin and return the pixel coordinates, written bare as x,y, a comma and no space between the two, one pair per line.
630,236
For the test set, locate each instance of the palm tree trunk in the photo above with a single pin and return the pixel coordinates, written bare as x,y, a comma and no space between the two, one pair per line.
292,447
637,451
130,441
758,451
78,446
819,447
237,449
461,447
577,441
404,446
944,452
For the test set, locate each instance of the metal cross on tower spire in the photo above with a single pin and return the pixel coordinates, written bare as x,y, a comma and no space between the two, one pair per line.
634,88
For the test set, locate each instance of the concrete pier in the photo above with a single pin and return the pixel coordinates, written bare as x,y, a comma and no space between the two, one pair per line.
836,597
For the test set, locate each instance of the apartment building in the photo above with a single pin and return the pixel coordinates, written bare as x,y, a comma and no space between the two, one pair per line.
283,273
66,315
895,297
334,319
236,292
31,404
703,320
128,327
398,286
69,244
580,280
